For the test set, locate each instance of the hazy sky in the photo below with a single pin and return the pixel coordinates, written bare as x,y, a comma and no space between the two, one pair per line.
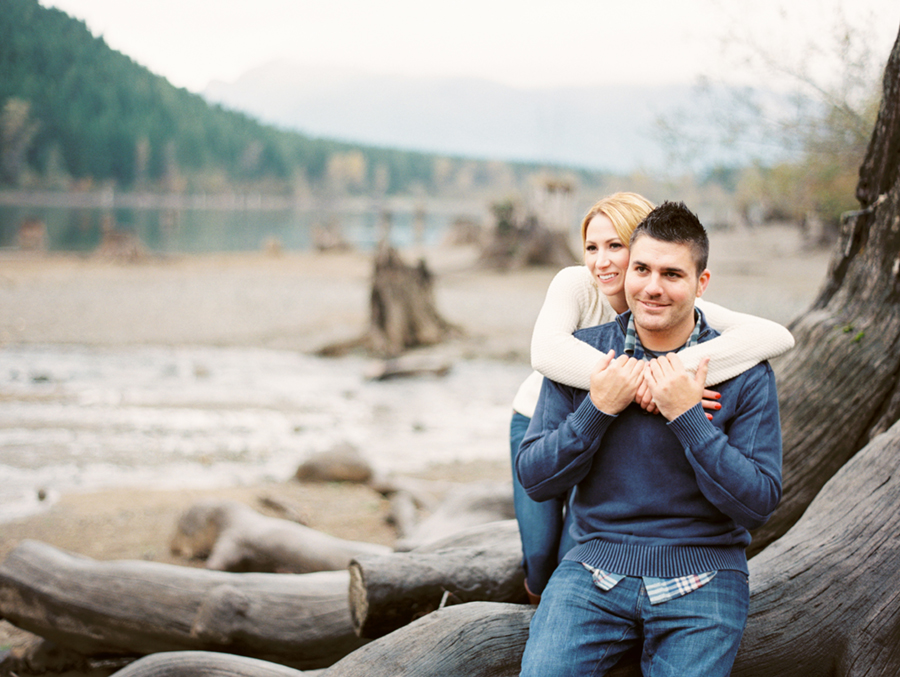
515,42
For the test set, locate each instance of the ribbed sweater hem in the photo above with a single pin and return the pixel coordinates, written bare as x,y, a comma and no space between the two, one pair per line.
658,561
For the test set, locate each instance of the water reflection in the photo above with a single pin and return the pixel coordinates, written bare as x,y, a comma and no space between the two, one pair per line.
244,223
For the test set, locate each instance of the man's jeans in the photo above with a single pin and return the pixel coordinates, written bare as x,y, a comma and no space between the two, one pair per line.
579,629
545,535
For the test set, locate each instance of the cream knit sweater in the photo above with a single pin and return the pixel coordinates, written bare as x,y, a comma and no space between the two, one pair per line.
574,302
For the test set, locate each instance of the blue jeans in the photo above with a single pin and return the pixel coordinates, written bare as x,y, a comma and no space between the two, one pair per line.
580,630
542,526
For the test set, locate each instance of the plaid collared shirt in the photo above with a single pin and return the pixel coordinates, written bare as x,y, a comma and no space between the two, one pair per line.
659,590
634,348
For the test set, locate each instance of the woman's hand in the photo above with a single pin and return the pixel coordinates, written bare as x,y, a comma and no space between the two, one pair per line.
645,399
710,401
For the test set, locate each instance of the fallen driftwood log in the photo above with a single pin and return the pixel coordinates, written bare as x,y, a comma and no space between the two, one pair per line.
481,564
129,608
207,664
480,639
234,537
136,608
407,366
463,507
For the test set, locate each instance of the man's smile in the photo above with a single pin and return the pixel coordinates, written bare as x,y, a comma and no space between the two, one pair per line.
652,305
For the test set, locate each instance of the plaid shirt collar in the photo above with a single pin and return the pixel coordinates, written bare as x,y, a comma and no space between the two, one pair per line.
633,345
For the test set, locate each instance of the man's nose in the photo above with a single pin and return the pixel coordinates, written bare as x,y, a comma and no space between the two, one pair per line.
653,287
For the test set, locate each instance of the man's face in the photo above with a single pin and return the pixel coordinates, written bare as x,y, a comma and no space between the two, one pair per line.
660,286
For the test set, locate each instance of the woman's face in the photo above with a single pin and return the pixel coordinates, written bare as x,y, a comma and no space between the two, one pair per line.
606,256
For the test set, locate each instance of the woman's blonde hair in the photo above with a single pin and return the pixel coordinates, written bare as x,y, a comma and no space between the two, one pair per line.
624,210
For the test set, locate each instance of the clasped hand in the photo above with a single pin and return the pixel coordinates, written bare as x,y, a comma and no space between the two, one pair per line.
670,388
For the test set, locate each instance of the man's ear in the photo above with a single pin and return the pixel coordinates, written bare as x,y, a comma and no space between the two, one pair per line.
702,282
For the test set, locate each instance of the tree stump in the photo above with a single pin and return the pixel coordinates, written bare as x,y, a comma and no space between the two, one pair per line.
517,242
403,311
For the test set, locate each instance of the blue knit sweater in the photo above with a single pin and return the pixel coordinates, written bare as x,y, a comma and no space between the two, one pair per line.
652,497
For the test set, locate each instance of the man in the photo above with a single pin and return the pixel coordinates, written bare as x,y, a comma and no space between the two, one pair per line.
662,503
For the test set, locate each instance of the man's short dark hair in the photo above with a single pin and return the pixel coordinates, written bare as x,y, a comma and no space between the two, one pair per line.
674,222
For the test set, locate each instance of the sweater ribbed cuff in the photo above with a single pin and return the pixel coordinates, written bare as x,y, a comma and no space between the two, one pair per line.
692,428
589,420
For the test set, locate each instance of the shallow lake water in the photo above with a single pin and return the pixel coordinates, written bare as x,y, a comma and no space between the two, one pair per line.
80,418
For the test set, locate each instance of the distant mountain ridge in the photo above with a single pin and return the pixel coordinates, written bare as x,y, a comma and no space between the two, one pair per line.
608,128
78,114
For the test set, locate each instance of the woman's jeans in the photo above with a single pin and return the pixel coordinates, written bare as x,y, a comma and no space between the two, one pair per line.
544,531
579,629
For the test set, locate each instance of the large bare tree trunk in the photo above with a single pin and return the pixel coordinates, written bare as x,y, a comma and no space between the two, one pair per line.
839,386
824,596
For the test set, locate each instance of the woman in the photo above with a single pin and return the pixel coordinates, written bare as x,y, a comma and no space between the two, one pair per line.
588,295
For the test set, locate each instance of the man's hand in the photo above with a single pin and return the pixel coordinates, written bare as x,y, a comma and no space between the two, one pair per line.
674,389
614,382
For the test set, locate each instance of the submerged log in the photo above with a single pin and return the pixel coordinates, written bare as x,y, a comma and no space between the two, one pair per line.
237,538
483,564
136,608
